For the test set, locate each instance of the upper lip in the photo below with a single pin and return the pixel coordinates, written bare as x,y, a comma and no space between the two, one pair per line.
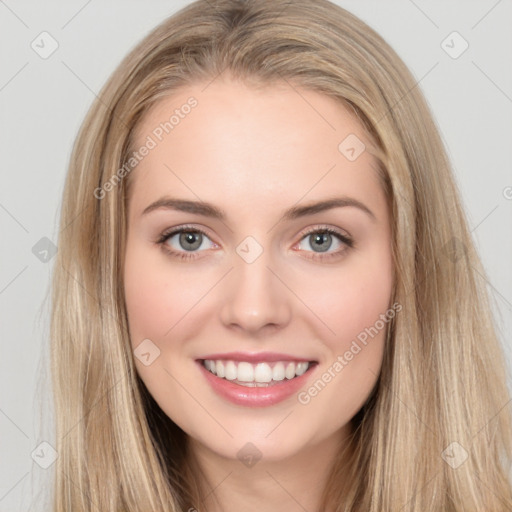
256,357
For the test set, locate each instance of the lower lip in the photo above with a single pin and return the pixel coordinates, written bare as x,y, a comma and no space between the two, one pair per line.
256,396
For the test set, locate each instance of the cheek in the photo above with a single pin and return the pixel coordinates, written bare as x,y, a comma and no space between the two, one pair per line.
146,304
156,298
352,298
353,304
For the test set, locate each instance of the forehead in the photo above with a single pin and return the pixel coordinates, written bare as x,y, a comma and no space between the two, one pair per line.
228,139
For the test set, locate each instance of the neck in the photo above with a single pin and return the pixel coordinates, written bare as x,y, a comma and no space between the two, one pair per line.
294,484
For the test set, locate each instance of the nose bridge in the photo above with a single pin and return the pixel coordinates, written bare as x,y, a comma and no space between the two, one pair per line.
254,297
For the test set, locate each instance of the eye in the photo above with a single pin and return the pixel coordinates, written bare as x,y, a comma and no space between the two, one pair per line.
184,242
325,243
321,243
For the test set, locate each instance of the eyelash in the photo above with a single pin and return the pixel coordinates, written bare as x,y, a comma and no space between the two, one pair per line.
186,256
318,256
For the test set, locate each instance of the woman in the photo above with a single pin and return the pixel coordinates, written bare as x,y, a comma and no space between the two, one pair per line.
266,294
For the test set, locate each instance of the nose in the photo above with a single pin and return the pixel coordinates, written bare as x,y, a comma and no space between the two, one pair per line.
253,299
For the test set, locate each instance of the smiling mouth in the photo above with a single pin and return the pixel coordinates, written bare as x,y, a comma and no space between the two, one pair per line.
263,374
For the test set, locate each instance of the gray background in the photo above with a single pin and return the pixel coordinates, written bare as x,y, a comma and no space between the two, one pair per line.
43,101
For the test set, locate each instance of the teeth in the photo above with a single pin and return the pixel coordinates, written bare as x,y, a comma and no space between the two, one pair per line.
260,373
231,372
289,373
278,372
301,368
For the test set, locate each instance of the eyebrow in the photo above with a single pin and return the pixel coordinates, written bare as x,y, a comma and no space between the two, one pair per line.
209,210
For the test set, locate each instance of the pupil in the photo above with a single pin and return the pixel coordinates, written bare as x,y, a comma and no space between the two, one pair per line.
193,239
323,239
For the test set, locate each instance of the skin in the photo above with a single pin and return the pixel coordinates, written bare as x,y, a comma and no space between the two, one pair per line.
254,153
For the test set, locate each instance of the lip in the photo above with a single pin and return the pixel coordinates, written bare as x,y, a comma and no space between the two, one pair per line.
255,357
256,396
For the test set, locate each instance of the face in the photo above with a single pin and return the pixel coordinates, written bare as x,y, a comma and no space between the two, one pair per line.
257,240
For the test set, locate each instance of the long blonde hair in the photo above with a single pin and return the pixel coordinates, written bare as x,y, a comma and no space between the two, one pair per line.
442,392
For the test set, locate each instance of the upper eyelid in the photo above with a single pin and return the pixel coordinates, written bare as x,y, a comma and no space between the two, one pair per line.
320,228
178,229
